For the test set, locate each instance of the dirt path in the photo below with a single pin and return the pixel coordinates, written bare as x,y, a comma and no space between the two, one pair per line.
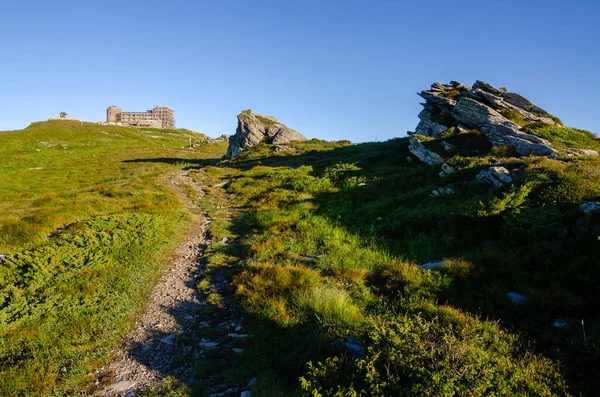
163,342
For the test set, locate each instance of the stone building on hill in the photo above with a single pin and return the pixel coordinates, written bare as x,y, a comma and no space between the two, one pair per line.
158,117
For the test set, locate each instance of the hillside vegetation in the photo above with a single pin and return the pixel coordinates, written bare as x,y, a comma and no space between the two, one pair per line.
323,251
87,223
329,244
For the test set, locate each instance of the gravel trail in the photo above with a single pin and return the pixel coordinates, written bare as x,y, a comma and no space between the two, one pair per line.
162,343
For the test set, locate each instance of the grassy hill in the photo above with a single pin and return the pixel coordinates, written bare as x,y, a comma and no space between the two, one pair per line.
87,224
323,254
330,244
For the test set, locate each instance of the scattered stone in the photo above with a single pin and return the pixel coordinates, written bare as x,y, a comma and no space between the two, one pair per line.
168,340
495,176
446,170
559,324
590,206
245,393
442,191
254,128
238,336
355,347
448,146
223,184
422,153
208,345
3,257
280,148
516,298
238,350
588,152
251,383
410,160
122,386
431,265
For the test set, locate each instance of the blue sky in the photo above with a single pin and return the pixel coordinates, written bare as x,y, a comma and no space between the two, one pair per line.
330,69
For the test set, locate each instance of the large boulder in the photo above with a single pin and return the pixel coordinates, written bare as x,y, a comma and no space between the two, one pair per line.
484,108
254,128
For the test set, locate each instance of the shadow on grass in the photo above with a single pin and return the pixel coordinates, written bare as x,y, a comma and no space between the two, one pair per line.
554,263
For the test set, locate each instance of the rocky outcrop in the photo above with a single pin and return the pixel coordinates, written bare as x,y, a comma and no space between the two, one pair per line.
254,128
483,107
422,153
495,176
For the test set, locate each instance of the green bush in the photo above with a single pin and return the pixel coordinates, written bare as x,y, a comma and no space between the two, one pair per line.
412,356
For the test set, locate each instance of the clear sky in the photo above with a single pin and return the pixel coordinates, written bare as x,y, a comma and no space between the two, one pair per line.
332,69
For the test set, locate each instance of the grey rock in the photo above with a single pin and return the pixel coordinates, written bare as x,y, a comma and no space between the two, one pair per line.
479,108
208,345
586,152
446,191
254,128
516,298
498,103
487,87
495,176
431,265
237,350
3,257
589,207
238,336
280,148
245,393
479,116
523,103
122,386
462,128
524,144
559,324
355,347
428,127
422,153
448,170
435,193
442,103
168,340
447,146
251,383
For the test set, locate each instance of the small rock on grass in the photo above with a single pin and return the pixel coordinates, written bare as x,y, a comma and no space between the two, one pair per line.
586,208
516,298
431,265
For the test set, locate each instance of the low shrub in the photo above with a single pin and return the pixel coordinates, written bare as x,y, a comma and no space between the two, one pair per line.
413,356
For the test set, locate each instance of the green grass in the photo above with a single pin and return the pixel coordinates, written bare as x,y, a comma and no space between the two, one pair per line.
322,246
329,237
89,224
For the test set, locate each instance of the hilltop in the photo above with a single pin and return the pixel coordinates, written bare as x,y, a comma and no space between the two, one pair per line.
460,260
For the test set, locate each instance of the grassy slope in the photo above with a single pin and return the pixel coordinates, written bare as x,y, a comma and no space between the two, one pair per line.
88,227
328,244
